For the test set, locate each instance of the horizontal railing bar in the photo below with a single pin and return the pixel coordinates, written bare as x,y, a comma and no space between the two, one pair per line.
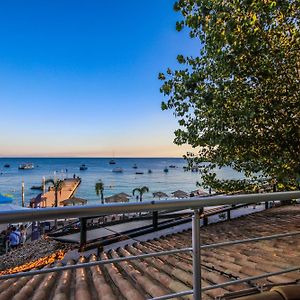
265,275
94,263
189,292
120,208
269,237
175,295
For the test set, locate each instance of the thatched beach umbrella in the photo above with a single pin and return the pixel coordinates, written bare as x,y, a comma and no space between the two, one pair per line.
159,195
199,192
124,194
180,194
73,201
121,197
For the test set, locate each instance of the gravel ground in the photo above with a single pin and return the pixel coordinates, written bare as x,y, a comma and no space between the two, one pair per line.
30,252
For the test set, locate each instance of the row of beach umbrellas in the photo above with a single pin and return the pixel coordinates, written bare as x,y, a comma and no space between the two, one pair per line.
123,197
117,198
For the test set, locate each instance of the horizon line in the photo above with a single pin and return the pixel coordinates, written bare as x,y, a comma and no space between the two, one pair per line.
111,157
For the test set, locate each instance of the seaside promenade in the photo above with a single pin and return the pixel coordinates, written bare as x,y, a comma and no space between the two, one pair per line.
66,192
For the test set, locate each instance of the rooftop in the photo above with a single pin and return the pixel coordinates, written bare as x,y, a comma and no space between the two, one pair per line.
157,276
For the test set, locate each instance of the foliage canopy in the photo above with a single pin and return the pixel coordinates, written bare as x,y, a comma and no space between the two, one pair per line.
238,102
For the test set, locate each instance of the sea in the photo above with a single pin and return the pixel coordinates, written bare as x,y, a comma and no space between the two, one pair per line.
99,169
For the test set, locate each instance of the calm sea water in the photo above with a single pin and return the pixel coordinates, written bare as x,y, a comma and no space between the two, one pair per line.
99,168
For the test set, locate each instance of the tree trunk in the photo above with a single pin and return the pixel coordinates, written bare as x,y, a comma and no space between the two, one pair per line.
55,204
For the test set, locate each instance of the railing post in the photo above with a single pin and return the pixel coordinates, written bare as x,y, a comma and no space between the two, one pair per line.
205,221
82,231
228,214
196,255
155,220
266,204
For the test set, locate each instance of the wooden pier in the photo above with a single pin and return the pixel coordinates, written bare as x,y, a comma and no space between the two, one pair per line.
67,191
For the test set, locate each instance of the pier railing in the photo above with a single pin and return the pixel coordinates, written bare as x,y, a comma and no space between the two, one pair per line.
197,204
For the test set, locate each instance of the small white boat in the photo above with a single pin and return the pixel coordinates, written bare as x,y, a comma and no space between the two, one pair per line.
117,170
27,166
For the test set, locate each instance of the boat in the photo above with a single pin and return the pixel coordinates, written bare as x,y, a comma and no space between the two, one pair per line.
112,162
83,167
26,166
37,187
149,171
117,170
134,166
194,169
166,170
172,166
139,173
6,166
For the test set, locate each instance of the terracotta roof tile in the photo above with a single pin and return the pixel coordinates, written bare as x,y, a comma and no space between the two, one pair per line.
156,276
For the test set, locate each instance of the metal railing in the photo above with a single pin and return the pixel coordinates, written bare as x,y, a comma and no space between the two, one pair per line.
195,203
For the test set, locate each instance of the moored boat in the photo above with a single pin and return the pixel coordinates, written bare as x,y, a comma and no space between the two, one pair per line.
83,167
117,170
26,166
37,187
6,166
139,173
134,166
112,162
149,171
172,166
166,170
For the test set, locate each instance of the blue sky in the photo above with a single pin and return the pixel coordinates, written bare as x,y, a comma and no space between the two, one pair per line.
79,78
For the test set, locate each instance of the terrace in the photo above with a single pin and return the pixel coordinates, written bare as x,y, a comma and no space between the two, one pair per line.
239,257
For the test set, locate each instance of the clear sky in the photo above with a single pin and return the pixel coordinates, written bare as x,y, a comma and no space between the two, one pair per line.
79,78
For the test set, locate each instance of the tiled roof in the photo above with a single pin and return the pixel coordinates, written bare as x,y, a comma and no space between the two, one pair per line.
156,276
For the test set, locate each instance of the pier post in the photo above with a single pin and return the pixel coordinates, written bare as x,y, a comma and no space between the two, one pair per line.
23,194
82,231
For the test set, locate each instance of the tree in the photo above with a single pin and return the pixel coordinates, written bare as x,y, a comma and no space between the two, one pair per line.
57,185
141,191
99,188
237,103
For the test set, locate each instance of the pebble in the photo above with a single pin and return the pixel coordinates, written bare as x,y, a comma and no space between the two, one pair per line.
30,252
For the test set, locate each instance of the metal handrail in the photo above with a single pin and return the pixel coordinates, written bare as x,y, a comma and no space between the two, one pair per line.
157,205
151,254
193,203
